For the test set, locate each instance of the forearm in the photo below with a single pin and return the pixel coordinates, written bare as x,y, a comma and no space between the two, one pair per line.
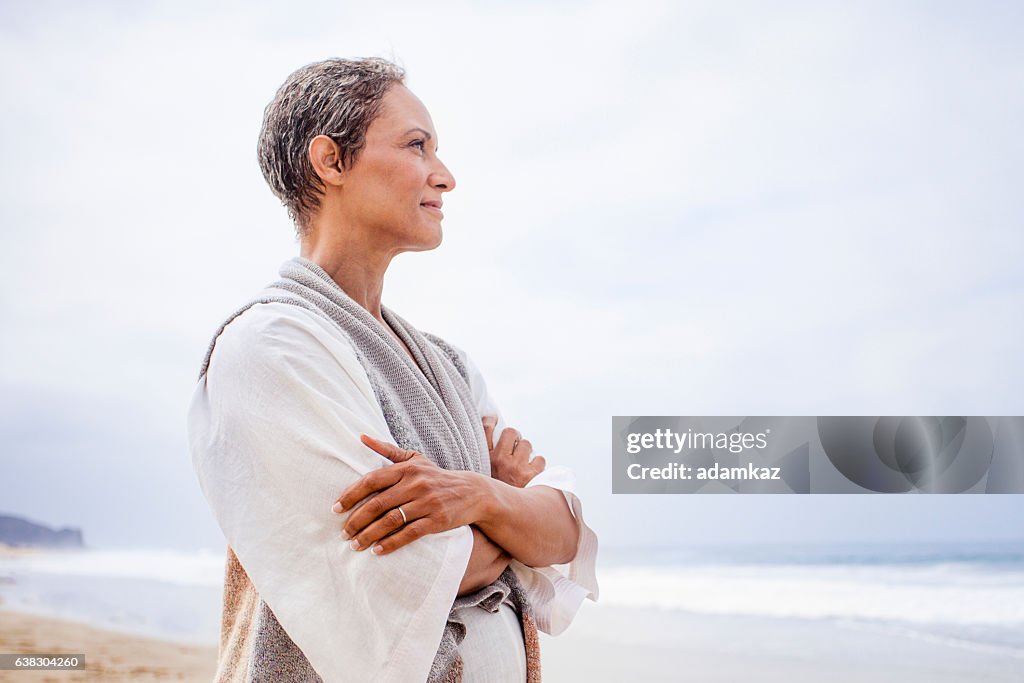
486,563
534,525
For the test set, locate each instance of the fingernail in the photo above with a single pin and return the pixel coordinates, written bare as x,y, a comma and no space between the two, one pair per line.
377,550
345,535
337,507
354,544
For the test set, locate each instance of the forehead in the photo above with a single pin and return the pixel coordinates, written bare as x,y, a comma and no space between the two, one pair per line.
400,112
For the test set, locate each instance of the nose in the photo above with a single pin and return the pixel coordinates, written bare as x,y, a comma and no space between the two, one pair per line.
441,178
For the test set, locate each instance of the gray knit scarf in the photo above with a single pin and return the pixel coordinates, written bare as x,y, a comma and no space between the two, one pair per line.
428,408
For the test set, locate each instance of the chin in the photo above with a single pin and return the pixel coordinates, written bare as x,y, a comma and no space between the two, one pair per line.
440,238
431,239
423,237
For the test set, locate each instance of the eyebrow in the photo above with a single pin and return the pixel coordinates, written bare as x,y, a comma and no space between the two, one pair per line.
427,133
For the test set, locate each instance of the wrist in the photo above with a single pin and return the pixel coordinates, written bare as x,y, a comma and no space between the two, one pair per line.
487,499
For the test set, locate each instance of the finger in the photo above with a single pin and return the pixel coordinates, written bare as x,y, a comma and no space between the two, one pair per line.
370,482
490,422
387,523
508,436
404,536
524,449
539,463
388,450
373,509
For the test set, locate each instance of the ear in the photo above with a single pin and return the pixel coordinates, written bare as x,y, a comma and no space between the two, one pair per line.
325,157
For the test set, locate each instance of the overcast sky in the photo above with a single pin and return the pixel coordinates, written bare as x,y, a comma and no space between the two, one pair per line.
662,209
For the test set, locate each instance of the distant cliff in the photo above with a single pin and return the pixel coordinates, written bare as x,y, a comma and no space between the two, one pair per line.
15,531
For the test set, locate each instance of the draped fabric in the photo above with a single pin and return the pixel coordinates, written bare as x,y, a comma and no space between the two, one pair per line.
428,407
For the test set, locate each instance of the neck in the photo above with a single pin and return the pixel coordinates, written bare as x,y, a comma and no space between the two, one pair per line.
356,266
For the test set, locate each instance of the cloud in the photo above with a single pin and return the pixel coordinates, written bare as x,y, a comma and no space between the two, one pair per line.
699,209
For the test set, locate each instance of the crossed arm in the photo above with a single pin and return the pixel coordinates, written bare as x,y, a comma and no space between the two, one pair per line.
486,563
509,521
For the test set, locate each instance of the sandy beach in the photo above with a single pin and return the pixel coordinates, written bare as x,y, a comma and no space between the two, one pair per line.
608,643
605,644
109,656
939,616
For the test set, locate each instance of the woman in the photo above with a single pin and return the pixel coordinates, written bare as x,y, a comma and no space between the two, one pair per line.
320,412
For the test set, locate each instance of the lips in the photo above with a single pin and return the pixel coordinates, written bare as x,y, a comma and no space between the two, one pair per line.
433,206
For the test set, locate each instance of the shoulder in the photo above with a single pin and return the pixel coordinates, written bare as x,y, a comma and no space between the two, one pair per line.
267,330
274,343
263,320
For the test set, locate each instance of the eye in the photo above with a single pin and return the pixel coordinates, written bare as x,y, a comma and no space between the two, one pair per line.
419,144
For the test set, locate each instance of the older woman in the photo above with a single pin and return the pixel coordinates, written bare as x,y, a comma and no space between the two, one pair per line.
382,524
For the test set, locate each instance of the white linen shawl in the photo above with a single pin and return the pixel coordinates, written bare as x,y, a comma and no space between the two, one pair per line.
274,432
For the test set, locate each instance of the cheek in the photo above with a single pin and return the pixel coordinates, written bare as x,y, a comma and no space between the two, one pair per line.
405,175
393,185
412,180
399,185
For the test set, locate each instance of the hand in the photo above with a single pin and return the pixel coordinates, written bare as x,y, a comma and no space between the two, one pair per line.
510,458
433,500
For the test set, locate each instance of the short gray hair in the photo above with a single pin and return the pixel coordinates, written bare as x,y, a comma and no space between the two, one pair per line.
336,97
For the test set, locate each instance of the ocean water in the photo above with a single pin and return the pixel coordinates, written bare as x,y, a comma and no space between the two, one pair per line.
963,595
967,595
160,593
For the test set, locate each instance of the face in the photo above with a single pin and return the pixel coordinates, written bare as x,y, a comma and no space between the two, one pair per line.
394,189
